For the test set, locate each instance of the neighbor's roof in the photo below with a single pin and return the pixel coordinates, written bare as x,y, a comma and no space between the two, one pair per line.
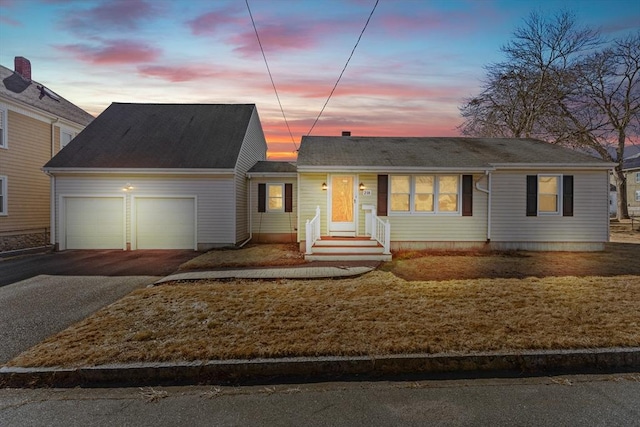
436,153
631,162
272,167
160,136
18,89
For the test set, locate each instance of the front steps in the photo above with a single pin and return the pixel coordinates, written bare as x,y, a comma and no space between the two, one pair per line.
347,249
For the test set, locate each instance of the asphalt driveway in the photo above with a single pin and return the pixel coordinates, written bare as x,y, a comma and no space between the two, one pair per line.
93,263
43,294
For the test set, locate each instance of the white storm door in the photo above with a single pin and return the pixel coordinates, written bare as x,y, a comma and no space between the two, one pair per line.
94,222
342,201
165,223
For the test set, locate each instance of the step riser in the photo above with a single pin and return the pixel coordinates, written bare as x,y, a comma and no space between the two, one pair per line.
347,249
344,243
343,257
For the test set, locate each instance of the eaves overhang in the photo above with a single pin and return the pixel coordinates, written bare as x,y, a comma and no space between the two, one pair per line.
272,174
393,169
554,166
138,171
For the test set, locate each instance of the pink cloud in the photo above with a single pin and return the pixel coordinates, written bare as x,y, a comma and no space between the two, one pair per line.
210,23
9,21
275,38
191,72
112,14
113,52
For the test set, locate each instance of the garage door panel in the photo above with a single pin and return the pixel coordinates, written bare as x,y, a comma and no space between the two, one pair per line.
94,223
165,223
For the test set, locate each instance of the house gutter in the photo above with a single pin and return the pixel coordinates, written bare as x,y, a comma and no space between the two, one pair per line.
487,191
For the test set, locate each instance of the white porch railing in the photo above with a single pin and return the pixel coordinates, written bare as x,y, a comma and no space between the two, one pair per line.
312,230
381,231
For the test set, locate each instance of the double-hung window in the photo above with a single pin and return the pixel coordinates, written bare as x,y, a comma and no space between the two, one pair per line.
3,195
275,195
65,137
637,195
637,177
425,194
549,195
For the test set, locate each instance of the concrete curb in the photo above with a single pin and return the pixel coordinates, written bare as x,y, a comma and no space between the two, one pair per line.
288,369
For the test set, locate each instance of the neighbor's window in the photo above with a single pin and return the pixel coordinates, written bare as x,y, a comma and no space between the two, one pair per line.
3,195
638,177
425,193
548,193
275,197
65,138
638,196
3,128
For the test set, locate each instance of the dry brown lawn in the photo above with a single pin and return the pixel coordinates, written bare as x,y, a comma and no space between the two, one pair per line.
251,255
375,314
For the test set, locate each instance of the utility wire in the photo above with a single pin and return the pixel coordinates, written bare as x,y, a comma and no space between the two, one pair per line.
270,76
345,67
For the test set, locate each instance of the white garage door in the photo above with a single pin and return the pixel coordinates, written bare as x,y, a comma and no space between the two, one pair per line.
165,223
94,222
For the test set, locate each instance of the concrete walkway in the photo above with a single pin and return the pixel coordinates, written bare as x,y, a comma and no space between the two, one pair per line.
302,272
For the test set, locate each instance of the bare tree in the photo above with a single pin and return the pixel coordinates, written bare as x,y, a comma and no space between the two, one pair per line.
563,84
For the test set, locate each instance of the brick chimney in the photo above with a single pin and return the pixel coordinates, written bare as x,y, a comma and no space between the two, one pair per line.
23,67
346,133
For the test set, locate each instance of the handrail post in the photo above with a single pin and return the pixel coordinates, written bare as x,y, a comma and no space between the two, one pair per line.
374,226
317,236
387,238
308,238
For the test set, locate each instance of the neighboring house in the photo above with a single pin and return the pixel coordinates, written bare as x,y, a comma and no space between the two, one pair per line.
453,193
157,176
631,168
35,123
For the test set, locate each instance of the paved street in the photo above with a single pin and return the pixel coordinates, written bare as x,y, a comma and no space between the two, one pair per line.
560,401
93,263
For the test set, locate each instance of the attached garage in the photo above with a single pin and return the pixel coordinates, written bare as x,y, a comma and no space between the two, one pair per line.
164,223
94,222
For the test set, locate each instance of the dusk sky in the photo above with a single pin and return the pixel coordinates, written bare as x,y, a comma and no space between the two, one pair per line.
416,63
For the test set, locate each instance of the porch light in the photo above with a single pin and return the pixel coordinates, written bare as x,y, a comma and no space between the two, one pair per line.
127,187
362,187
324,185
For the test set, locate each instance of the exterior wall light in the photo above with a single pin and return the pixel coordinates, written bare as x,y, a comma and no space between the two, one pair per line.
362,187
127,187
324,185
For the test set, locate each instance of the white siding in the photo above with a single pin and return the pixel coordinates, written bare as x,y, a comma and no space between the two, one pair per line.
273,222
589,222
254,148
310,195
214,195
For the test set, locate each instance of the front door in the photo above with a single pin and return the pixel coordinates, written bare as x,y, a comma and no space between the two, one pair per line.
342,218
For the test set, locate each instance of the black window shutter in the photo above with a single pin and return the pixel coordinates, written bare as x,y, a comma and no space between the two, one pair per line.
383,189
567,195
262,197
467,195
288,197
532,195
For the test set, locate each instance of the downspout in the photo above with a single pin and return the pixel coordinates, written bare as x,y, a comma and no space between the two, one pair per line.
488,192
250,217
53,139
52,209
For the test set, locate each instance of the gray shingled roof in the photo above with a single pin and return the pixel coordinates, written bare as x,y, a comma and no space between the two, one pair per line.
266,166
15,87
632,163
207,136
418,152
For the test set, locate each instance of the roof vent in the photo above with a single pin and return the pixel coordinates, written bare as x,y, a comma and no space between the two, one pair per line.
346,133
22,66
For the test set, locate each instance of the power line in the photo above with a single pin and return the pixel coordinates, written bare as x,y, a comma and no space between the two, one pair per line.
345,67
270,76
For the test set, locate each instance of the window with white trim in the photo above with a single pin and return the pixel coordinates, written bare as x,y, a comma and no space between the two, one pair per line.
637,195
275,197
65,137
425,194
3,195
638,177
3,128
548,194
